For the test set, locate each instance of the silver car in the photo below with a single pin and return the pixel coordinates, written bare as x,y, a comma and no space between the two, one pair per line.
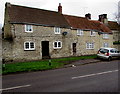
108,53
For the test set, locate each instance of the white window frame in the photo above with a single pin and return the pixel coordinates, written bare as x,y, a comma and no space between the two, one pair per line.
105,36
57,30
29,45
31,27
105,44
79,32
89,45
57,44
92,33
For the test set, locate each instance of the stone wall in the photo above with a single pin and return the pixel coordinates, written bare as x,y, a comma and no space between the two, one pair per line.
117,46
13,50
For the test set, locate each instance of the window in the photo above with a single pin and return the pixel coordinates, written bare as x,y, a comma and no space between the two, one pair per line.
92,33
29,46
105,36
79,32
89,45
105,45
57,30
28,28
57,44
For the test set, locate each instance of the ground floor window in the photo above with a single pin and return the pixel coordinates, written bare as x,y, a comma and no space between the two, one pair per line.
105,45
29,46
57,45
89,45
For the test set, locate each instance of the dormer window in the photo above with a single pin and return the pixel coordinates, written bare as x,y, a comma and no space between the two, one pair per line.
57,30
92,33
79,32
28,28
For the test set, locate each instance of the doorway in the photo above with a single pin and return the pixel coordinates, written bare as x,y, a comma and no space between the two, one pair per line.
45,50
74,48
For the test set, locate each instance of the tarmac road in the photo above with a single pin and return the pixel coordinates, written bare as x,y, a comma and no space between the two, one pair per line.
94,77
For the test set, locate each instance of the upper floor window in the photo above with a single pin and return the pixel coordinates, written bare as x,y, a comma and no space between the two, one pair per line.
79,32
29,46
57,45
57,30
105,45
106,36
92,33
89,45
28,28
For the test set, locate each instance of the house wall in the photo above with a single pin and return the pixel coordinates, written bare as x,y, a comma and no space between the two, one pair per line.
14,50
116,35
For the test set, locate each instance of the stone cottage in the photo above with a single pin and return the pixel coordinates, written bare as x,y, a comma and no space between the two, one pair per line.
34,34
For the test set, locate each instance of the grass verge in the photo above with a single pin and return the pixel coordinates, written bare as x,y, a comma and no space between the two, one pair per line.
41,65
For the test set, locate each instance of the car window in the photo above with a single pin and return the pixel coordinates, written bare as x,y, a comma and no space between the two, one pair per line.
104,50
112,51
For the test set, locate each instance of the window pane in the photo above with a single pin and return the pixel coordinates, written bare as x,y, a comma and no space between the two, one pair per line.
55,44
27,45
57,30
31,45
59,44
28,28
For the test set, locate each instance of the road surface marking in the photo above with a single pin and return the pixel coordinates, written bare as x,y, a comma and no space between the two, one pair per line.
94,74
15,87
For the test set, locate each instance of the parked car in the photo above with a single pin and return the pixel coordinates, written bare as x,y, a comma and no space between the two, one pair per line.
108,53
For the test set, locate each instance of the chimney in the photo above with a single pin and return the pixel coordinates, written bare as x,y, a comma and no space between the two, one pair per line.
8,4
103,19
88,16
60,8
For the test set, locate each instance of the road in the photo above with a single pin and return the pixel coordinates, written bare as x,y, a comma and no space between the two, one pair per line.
94,77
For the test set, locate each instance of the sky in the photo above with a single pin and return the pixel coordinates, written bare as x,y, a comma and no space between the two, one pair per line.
70,7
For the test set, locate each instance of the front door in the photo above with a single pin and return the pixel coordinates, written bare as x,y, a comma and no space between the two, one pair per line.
74,48
45,50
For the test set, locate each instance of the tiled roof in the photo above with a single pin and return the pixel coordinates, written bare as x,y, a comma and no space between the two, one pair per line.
21,14
83,23
113,25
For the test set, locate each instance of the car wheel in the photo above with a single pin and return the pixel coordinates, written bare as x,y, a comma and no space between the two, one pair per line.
110,58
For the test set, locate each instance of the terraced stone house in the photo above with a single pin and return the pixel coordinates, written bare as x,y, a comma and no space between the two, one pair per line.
35,34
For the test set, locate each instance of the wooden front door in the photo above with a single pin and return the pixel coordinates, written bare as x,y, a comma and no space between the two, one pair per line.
45,50
74,48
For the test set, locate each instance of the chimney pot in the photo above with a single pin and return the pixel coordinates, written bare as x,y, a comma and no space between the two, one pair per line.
8,4
88,16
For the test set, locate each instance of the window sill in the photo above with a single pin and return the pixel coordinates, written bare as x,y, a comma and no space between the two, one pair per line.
29,31
79,35
92,35
29,49
105,38
90,48
57,33
57,48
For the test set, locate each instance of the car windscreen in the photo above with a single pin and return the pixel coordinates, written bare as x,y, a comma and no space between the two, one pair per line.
104,51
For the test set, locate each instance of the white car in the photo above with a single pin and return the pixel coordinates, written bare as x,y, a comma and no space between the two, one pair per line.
108,53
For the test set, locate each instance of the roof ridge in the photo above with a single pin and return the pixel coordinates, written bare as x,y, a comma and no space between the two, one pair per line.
74,16
33,8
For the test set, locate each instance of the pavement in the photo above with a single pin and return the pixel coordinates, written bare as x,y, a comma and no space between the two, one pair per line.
82,62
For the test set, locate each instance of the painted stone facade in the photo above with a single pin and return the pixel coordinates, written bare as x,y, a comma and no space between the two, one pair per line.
13,50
